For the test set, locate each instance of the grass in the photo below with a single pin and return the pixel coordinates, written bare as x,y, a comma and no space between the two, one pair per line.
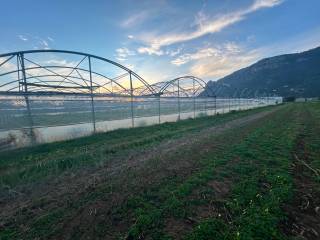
231,185
30,164
254,209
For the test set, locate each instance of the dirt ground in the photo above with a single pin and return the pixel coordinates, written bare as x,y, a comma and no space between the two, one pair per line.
304,210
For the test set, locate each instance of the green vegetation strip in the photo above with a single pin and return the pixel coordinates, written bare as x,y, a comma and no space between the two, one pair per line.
263,184
39,162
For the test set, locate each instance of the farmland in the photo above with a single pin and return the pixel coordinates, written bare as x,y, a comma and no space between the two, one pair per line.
250,174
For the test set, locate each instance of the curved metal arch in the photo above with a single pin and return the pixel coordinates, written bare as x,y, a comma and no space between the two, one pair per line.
64,67
129,71
156,89
176,83
156,86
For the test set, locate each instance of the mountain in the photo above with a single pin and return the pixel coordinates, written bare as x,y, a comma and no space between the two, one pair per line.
286,75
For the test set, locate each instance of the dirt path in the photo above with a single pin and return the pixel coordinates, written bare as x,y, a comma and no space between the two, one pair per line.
304,209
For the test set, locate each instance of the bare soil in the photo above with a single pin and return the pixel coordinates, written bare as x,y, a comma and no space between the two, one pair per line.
304,210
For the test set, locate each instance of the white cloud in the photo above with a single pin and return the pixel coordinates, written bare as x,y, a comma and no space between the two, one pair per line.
135,19
7,67
204,26
232,47
121,59
214,62
23,38
61,62
148,10
41,43
150,51
228,48
37,42
264,4
173,53
223,64
123,53
130,36
202,53
44,43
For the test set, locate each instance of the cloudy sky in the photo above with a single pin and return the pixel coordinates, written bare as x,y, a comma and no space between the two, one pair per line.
163,39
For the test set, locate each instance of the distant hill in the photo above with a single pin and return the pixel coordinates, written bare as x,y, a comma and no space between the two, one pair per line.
286,75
